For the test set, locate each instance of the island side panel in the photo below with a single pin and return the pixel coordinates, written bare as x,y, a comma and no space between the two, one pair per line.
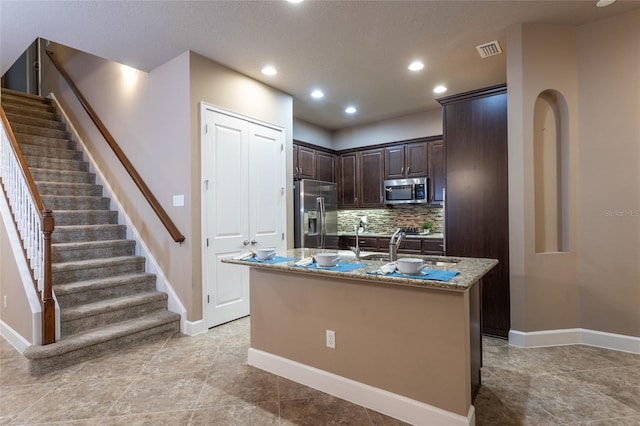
410,341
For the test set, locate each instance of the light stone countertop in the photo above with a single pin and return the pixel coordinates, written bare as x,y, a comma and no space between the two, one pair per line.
470,269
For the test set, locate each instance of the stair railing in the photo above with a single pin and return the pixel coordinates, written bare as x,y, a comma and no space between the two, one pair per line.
32,220
142,186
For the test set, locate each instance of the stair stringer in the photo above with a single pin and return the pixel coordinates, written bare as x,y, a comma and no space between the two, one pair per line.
17,340
174,304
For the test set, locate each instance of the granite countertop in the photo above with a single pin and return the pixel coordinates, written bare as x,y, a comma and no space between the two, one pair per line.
435,235
470,269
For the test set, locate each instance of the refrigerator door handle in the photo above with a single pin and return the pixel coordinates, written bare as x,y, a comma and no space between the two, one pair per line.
322,224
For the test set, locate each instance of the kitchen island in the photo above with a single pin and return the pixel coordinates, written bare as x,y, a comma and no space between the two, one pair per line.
406,347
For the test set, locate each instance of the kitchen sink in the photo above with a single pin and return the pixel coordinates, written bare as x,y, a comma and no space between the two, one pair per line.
375,256
385,257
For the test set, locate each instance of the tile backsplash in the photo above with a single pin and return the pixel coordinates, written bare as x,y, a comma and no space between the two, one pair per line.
387,220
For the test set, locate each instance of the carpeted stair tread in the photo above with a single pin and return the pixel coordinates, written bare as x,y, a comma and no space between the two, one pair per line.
62,176
19,109
78,233
76,251
35,121
56,163
22,96
39,131
101,283
75,202
110,305
69,188
26,139
50,152
85,217
102,335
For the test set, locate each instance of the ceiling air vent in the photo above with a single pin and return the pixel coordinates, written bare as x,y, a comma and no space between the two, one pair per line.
489,49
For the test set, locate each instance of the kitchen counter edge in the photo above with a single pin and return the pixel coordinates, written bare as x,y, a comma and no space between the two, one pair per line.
470,270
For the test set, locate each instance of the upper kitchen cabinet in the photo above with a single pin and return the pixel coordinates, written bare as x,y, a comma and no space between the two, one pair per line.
347,180
371,178
325,166
477,208
312,163
437,173
406,160
361,175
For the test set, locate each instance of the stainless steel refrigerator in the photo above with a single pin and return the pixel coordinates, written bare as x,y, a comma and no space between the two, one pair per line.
316,214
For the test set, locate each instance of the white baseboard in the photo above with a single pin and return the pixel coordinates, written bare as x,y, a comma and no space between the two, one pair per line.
391,404
573,336
195,327
13,337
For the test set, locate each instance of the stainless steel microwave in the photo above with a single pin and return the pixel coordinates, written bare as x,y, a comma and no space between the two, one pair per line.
406,191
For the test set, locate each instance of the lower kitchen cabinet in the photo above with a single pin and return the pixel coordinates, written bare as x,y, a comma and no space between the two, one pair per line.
433,246
413,246
417,246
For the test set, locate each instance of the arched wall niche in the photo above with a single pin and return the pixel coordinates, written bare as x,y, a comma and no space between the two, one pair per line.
551,172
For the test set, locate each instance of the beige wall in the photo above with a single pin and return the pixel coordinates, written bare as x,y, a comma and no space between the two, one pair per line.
156,121
596,67
609,169
310,133
17,314
149,118
384,334
222,87
411,126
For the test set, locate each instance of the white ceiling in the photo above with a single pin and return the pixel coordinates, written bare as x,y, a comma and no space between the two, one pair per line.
356,51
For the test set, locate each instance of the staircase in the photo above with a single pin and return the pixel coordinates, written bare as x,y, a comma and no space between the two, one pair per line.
106,299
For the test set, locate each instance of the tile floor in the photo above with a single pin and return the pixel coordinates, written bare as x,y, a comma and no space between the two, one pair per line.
204,380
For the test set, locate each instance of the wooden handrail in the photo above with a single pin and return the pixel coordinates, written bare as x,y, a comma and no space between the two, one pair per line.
142,186
47,226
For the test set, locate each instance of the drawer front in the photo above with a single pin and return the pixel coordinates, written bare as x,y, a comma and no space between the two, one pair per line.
433,246
366,243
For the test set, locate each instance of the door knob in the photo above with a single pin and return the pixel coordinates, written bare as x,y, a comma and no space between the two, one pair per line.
245,243
254,242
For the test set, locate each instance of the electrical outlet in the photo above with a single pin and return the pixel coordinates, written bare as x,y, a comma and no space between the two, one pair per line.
331,339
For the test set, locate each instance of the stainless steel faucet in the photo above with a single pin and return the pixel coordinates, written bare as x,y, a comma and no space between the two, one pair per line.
394,243
356,249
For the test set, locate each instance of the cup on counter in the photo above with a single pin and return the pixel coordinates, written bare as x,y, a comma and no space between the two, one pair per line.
326,260
410,265
265,253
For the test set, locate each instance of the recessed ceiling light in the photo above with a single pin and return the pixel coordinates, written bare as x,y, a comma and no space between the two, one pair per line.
269,70
605,3
350,110
317,93
295,1
416,66
439,89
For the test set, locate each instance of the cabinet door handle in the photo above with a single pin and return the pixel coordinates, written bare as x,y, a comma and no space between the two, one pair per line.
408,170
402,170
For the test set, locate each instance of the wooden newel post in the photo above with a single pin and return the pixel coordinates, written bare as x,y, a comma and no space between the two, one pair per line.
48,304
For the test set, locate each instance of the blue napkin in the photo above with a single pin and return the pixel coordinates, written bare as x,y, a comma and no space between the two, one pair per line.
277,259
426,274
340,267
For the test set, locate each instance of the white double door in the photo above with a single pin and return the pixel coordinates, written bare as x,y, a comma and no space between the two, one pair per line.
243,206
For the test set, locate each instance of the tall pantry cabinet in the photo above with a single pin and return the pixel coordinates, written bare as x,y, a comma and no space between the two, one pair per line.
476,202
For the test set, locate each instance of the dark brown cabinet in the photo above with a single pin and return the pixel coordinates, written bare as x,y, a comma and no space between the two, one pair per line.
371,177
347,181
437,174
360,179
406,160
477,210
325,166
417,246
310,163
